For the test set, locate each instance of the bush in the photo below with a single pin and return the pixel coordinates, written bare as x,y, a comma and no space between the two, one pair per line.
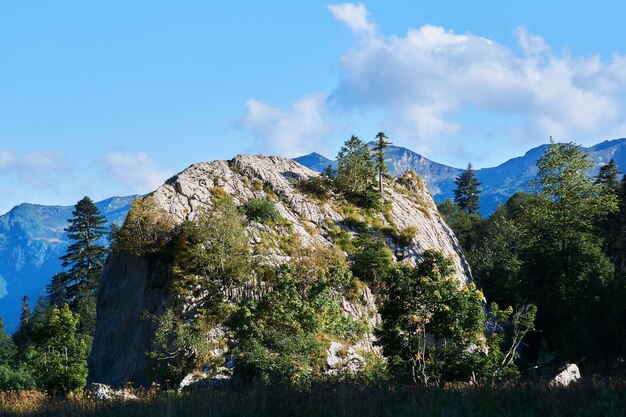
147,229
406,236
15,379
261,210
318,186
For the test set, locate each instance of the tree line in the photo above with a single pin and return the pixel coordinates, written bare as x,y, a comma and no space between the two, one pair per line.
559,247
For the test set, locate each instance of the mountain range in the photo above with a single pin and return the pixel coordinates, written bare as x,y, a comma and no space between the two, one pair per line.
497,183
32,238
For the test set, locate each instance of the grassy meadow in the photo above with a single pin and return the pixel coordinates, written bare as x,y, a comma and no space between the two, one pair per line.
588,398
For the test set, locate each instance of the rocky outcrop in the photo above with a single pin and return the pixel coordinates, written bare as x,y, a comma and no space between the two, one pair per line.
131,288
269,177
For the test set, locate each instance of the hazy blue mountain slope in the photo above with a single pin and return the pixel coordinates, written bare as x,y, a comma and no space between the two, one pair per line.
315,161
498,183
31,240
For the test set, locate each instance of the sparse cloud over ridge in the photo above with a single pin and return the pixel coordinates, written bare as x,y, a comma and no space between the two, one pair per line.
137,172
289,132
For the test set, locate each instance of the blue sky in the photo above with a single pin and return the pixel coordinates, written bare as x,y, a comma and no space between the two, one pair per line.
111,98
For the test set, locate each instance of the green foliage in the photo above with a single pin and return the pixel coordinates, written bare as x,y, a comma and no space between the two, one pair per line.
431,328
58,357
465,225
318,186
406,236
261,210
379,156
16,378
7,347
85,257
211,252
372,259
146,230
356,174
282,338
466,191
176,348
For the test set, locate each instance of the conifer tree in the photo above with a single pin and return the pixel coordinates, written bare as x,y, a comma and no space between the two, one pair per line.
466,192
84,257
608,177
379,155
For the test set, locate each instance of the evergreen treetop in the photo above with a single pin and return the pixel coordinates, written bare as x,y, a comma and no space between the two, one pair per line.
85,257
379,156
466,191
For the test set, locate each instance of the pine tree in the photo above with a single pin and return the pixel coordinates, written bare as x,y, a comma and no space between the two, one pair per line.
608,178
379,155
85,257
466,192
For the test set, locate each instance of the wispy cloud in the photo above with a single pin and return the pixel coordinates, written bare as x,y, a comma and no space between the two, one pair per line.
289,132
34,168
137,172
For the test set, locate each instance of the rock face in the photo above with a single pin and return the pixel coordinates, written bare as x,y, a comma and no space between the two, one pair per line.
130,288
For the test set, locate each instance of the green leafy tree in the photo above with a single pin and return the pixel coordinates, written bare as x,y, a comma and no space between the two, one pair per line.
431,329
566,266
58,357
372,260
283,337
356,173
379,156
466,191
212,252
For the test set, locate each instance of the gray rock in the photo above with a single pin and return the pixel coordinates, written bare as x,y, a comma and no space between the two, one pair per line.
103,392
567,376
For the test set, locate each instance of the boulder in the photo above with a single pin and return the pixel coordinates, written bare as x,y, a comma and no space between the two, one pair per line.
567,376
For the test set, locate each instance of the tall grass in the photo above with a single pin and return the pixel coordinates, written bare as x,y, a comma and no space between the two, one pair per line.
591,398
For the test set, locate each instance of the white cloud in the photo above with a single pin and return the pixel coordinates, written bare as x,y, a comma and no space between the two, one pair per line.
355,17
289,132
34,168
424,79
418,88
138,172
46,162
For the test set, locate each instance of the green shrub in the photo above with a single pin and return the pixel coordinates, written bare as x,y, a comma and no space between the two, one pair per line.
405,237
318,187
146,230
12,379
261,210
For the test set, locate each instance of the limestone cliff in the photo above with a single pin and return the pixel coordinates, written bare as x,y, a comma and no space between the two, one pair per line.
129,285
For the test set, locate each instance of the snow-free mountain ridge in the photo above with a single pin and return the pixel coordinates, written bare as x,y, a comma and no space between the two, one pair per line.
497,183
